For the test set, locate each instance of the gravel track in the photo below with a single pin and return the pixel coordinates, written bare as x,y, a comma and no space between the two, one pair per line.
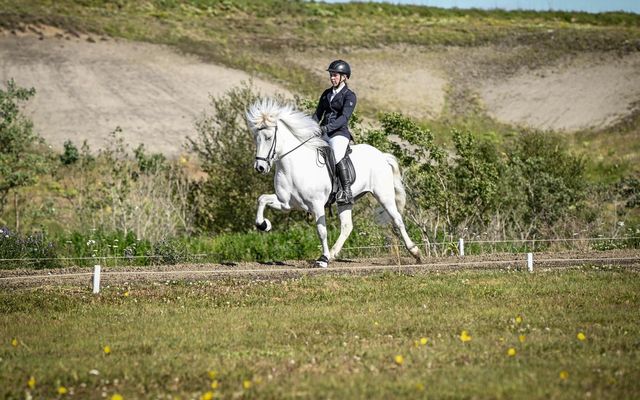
79,276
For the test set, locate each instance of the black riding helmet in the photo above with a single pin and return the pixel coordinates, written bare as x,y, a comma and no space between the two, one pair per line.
341,67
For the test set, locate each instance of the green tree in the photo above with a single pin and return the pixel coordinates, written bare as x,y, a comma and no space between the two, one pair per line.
425,171
477,170
543,183
225,200
21,158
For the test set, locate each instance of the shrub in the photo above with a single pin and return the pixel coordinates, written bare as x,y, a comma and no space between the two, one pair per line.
33,251
70,155
20,158
225,200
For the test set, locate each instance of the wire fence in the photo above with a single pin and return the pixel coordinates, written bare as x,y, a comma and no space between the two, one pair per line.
460,247
478,246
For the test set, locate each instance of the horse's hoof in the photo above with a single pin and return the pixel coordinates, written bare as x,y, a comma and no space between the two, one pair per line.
265,226
322,262
415,252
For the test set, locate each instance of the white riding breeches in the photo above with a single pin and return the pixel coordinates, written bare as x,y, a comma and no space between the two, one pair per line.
339,146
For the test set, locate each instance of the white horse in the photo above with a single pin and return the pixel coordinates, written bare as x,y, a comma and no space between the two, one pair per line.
292,140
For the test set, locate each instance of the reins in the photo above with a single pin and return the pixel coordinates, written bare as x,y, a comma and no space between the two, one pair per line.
272,151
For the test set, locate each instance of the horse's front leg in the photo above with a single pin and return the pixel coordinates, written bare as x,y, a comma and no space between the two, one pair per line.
321,226
272,201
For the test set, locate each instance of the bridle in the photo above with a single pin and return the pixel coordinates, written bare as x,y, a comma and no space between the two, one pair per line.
272,151
271,155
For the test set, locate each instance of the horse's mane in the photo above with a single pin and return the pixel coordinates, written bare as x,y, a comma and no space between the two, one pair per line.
268,111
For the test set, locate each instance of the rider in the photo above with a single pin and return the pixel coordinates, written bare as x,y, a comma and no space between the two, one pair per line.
333,112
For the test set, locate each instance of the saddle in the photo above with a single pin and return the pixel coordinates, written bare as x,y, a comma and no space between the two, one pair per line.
330,161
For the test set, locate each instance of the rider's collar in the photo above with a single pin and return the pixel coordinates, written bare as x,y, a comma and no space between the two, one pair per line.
339,88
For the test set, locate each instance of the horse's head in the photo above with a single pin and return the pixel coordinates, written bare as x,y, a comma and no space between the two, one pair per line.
266,117
262,120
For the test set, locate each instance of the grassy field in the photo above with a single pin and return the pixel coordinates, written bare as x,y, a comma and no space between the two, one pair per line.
562,334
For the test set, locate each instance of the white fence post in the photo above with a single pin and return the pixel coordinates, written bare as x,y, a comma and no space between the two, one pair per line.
461,247
530,262
96,279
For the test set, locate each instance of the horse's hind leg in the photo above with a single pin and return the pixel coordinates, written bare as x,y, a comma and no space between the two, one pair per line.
389,204
346,226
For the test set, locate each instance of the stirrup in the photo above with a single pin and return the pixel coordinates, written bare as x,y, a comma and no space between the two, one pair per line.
342,198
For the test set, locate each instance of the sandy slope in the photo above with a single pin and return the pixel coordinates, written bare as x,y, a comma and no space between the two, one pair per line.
582,92
87,86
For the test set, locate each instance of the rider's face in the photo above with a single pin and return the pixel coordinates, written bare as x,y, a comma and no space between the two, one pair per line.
334,77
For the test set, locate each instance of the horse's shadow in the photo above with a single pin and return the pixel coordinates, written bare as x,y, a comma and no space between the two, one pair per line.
275,263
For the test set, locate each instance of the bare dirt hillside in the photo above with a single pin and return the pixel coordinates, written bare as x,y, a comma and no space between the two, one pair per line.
581,92
89,85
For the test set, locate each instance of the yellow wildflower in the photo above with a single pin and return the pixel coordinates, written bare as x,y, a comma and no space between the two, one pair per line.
246,384
511,352
581,336
464,336
522,338
564,375
423,341
117,396
212,374
31,383
107,350
398,359
14,342
214,385
518,319
207,396
126,294
62,390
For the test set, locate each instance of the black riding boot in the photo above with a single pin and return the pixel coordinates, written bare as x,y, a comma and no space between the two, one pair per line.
344,169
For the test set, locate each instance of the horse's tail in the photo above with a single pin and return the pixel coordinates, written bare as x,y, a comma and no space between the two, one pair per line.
401,196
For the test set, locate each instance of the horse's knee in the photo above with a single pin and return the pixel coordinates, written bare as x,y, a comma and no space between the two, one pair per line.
346,227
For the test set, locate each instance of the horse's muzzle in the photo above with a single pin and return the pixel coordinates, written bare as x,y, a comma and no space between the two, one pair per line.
261,167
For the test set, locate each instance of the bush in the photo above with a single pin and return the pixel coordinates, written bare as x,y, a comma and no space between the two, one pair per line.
20,158
225,201
33,251
520,191
70,155
542,184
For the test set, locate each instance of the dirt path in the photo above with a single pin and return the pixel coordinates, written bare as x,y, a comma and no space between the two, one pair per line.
81,277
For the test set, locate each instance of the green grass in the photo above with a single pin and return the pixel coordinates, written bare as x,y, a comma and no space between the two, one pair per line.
330,337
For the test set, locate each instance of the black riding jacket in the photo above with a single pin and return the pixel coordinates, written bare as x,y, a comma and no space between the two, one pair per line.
335,114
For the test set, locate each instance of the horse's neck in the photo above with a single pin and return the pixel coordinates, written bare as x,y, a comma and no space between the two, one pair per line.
293,154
